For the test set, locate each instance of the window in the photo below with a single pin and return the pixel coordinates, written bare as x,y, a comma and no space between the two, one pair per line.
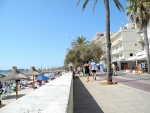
120,55
131,54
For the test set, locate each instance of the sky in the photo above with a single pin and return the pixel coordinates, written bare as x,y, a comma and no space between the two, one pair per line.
38,32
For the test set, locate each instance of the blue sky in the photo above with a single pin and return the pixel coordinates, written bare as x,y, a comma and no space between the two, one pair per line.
36,32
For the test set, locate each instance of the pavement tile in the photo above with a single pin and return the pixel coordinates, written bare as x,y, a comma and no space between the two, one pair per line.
129,108
144,107
146,110
120,104
139,111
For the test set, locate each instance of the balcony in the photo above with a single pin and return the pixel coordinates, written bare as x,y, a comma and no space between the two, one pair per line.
117,59
139,31
141,40
142,49
115,35
119,50
116,42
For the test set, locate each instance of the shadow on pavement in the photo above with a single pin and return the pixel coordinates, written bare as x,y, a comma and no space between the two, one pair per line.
13,96
83,100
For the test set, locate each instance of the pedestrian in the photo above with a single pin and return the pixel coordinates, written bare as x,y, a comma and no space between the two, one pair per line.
79,70
1,85
143,66
74,71
93,69
87,70
114,69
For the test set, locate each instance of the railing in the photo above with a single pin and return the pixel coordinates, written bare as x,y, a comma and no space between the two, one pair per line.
117,59
116,50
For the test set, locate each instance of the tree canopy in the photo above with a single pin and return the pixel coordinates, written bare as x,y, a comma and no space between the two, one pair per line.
82,51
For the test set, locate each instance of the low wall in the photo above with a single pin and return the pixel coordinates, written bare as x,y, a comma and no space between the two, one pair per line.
54,97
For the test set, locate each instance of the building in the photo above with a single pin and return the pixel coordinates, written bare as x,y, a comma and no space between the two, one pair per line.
126,43
100,39
141,55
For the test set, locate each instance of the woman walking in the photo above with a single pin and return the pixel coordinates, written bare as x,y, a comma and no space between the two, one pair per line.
87,70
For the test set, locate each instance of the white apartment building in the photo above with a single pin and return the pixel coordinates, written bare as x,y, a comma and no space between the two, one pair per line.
100,38
126,43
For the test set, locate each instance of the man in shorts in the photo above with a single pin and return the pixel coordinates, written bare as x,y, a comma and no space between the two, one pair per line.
93,69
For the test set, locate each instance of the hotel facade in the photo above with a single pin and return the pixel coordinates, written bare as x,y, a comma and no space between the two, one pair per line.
125,43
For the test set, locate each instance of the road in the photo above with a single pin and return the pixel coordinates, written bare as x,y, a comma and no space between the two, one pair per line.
137,81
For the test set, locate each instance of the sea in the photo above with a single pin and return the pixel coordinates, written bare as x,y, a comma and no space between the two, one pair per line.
5,72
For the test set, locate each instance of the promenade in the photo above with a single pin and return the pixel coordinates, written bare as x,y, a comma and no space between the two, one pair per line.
93,97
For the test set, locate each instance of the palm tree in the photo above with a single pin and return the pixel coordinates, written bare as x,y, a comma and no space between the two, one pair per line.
79,41
80,46
139,12
82,51
96,51
108,42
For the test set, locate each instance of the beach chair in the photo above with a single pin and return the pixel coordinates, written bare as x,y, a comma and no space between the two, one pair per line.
1,92
4,94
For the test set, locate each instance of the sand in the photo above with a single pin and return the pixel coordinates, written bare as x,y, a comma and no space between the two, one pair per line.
12,97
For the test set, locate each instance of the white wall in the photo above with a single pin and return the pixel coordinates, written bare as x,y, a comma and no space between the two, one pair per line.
129,43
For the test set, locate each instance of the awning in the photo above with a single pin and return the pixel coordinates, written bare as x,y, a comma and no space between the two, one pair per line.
139,56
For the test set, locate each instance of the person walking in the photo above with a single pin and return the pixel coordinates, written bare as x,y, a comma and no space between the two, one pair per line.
93,69
143,66
87,70
79,71
114,69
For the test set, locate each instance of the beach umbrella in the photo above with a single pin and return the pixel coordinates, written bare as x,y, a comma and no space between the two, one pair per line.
42,78
33,72
17,76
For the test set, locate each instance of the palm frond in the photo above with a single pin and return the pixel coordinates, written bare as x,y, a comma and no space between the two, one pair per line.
85,3
94,5
118,5
78,2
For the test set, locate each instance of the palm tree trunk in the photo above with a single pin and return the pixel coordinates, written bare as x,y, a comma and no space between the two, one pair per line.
108,42
146,45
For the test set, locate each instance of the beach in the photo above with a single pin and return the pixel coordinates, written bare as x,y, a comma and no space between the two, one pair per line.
12,97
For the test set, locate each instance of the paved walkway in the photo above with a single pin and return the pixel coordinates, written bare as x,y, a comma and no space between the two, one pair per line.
92,97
